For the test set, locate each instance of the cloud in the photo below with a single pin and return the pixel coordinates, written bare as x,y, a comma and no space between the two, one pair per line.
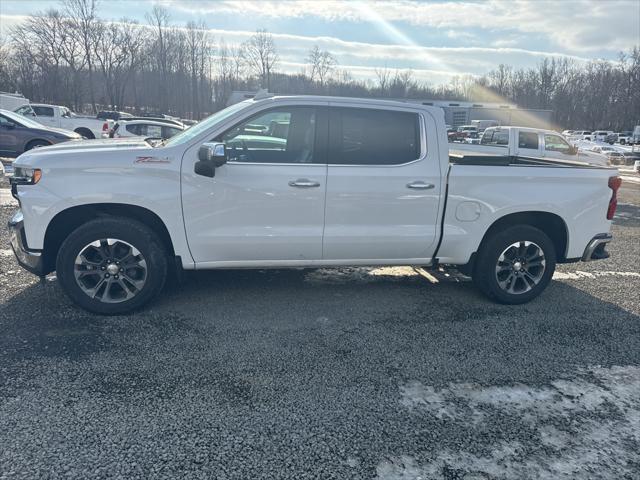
572,26
444,60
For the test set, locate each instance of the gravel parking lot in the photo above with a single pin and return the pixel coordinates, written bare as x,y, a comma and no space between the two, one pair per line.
355,373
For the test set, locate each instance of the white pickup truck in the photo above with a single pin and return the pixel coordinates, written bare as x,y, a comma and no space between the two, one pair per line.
61,117
280,182
531,142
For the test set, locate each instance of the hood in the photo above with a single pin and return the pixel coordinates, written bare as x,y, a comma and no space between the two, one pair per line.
82,149
47,131
62,131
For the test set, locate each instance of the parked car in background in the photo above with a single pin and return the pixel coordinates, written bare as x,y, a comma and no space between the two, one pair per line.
61,117
630,157
168,121
462,132
567,133
604,149
145,129
112,115
531,142
482,125
379,187
635,139
600,135
11,101
580,135
19,134
625,138
611,138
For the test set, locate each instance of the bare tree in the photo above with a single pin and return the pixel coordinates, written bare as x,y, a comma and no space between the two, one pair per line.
383,76
5,62
117,49
262,56
321,65
158,18
82,17
197,44
38,39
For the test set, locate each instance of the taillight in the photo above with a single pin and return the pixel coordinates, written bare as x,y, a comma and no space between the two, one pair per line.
105,127
614,185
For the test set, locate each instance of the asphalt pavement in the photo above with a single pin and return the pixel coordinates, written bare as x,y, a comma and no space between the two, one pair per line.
352,373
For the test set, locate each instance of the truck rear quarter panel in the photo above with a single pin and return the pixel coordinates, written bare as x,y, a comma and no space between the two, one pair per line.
480,195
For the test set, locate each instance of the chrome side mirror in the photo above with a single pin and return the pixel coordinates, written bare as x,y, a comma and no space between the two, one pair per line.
210,157
213,152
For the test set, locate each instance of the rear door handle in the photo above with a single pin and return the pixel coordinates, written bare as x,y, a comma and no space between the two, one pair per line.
420,185
303,183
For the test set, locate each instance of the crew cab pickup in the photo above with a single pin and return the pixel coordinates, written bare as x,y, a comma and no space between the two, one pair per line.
61,117
279,182
531,142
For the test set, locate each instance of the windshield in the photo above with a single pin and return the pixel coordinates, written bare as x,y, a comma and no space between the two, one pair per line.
205,124
20,120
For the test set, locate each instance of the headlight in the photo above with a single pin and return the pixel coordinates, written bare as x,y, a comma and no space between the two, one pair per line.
26,176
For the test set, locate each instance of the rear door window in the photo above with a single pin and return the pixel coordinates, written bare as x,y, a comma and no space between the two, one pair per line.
363,136
528,140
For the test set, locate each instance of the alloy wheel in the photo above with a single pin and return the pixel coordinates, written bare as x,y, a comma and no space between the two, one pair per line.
110,270
520,267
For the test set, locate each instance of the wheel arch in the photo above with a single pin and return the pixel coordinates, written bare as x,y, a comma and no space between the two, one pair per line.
85,132
71,218
550,223
32,140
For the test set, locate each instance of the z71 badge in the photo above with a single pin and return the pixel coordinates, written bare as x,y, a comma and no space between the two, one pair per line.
152,160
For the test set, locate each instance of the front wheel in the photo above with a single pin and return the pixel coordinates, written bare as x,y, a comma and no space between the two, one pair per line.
515,265
111,265
36,144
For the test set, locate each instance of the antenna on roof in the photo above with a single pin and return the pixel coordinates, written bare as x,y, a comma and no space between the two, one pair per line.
262,93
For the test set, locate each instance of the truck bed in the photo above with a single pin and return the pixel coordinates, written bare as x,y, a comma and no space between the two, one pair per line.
474,158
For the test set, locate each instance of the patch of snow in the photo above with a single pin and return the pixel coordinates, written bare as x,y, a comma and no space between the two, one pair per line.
585,426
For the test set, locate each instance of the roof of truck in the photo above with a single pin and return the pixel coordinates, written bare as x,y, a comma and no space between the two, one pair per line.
524,129
354,100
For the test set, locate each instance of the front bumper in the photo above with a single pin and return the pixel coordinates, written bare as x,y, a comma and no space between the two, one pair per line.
595,250
28,259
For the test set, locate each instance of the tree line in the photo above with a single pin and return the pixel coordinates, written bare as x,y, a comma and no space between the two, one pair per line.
71,56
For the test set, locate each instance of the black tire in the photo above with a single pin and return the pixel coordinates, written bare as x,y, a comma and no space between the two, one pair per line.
35,144
129,233
86,133
485,275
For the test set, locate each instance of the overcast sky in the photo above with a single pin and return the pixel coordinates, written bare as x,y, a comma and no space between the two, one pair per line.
436,39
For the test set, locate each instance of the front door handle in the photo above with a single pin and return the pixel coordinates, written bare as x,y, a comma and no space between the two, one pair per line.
303,183
420,185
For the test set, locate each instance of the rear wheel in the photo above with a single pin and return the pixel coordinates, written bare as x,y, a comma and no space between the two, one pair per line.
85,133
111,265
515,265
